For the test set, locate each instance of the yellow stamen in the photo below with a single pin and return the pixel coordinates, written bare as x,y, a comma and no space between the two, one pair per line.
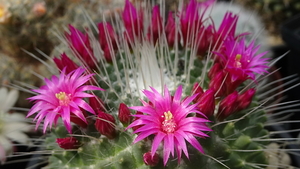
238,57
168,115
61,96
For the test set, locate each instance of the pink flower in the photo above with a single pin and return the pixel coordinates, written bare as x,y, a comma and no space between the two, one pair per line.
240,60
62,96
170,121
80,44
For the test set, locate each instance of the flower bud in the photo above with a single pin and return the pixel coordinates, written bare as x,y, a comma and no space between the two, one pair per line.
227,106
155,28
124,114
149,160
214,70
68,143
75,119
206,103
105,124
65,61
170,30
197,89
245,99
96,103
218,84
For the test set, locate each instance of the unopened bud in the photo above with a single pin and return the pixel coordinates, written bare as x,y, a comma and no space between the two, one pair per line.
68,143
75,119
218,84
149,160
206,103
245,99
96,103
227,106
105,124
124,114
214,70
197,90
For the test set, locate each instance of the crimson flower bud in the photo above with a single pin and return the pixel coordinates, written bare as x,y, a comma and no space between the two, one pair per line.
197,89
227,106
81,45
75,119
155,28
245,99
124,114
68,143
105,124
65,61
151,160
214,70
217,84
206,103
170,30
96,103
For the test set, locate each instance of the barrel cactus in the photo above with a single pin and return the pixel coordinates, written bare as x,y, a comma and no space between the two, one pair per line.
155,92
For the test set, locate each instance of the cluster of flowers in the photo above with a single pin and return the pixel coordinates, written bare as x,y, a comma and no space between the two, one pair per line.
172,119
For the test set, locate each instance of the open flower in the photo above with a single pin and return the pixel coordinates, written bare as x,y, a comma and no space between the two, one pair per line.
168,118
240,60
62,96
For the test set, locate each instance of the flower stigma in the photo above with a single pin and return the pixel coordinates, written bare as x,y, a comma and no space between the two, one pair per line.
168,125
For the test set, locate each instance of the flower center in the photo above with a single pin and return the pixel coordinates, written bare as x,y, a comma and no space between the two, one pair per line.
64,99
237,62
168,125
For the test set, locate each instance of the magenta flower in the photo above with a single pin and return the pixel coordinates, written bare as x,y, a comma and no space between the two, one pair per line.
241,61
169,120
62,96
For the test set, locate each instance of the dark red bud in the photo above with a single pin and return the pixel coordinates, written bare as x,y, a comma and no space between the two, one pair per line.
206,103
105,124
214,70
245,99
149,160
197,89
227,106
68,143
218,84
124,114
96,103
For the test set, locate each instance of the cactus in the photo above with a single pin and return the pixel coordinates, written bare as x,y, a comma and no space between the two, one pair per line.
273,12
147,65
